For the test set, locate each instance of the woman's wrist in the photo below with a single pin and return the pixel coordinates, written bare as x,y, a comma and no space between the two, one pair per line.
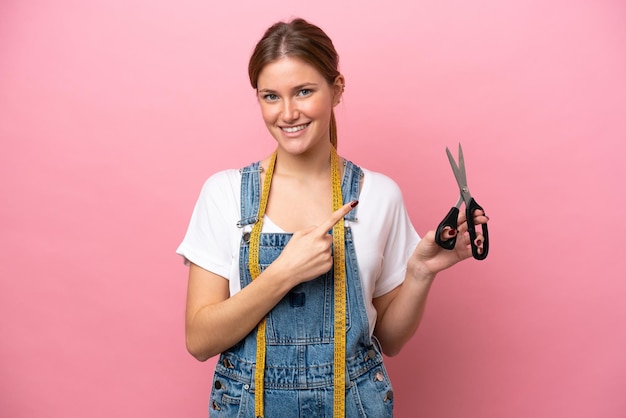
420,271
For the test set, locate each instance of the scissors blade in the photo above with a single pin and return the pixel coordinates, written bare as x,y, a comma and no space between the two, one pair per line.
460,176
462,167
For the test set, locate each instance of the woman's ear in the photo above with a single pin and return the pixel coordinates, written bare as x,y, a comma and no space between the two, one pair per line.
338,87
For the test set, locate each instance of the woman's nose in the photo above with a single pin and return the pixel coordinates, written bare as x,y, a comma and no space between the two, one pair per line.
290,111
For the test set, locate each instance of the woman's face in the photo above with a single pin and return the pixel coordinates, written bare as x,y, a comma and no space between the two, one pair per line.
296,104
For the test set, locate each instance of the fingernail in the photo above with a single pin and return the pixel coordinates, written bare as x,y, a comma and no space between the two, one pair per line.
453,232
354,203
479,242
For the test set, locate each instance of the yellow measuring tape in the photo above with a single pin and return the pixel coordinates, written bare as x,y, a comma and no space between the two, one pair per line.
339,368
339,375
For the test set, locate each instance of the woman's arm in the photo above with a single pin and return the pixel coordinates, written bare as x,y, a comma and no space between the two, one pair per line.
214,321
400,311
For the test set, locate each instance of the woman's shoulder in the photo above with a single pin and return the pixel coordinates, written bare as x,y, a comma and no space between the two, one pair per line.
380,185
222,182
223,178
226,182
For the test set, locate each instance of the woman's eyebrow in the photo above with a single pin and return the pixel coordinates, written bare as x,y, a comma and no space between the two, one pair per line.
305,85
295,88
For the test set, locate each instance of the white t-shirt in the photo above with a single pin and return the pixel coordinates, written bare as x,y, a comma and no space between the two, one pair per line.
384,237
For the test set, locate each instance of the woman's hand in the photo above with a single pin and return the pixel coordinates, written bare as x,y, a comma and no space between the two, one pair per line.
400,311
428,259
308,254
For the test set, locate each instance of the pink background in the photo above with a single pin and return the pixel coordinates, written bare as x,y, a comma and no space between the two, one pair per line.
112,114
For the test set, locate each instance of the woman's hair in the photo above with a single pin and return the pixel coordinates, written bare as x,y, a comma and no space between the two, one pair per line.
298,39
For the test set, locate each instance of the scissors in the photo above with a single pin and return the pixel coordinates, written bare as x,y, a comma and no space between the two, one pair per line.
451,218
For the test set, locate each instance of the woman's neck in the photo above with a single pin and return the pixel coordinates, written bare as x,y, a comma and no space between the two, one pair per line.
301,192
312,163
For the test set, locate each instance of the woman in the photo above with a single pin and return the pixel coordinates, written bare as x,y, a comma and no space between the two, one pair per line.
269,286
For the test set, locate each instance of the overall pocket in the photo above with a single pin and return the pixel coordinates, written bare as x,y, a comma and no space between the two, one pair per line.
229,397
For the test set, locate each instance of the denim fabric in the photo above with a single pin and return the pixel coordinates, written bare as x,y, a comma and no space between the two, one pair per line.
299,352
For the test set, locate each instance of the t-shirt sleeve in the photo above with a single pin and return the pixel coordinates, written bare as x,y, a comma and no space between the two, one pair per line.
207,242
401,240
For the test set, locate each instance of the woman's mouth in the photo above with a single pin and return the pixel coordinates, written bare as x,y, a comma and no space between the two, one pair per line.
293,129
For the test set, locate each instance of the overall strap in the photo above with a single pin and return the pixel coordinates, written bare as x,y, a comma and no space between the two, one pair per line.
250,194
351,186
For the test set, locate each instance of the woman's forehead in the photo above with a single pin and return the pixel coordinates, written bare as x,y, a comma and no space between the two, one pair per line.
288,72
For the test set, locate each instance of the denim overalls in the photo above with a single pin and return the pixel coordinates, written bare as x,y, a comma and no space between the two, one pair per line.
299,335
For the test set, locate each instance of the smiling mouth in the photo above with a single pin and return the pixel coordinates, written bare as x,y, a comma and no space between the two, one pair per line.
292,129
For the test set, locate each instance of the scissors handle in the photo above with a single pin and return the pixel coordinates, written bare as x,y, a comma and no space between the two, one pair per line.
451,220
469,213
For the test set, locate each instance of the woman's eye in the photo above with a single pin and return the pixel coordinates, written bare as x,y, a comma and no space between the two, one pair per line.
270,97
305,92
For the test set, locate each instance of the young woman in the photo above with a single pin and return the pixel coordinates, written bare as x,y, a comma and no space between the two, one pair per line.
303,267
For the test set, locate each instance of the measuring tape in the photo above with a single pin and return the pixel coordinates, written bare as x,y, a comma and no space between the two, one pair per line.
255,271
339,358
339,368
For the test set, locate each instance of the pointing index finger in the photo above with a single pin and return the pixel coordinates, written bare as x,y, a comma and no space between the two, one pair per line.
337,216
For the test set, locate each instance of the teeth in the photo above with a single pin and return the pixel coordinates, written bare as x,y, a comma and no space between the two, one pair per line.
295,128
